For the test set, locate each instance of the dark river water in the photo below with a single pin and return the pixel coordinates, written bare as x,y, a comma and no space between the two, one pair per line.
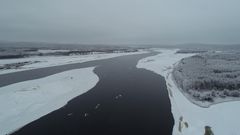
126,101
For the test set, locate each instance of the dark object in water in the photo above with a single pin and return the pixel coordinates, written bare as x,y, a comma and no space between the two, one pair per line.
208,131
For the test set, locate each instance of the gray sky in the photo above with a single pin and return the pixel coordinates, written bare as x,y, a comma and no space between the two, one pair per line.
121,21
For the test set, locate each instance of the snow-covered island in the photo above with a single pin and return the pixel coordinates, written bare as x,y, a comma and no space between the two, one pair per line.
24,102
190,118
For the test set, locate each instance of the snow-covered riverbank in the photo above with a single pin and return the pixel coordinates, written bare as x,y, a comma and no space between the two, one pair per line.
191,119
24,102
48,61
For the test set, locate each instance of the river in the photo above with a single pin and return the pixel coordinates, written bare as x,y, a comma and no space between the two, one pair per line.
125,101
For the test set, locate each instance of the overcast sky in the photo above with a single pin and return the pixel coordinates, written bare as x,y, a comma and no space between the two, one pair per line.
121,21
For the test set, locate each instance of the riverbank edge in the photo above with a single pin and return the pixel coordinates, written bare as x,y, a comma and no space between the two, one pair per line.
190,118
42,96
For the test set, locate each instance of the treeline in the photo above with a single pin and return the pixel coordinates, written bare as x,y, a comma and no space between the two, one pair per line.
210,75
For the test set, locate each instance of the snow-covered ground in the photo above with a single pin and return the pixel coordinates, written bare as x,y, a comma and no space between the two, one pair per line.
48,61
50,51
191,119
23,102
209,78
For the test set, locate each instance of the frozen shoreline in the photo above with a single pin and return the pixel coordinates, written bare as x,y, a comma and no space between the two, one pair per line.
191,119
49,61
24,102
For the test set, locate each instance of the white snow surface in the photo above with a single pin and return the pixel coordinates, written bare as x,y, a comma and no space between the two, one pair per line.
49,61
223,118
24,102
51,51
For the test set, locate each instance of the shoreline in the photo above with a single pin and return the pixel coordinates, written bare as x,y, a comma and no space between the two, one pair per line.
34,99
190,118
51,61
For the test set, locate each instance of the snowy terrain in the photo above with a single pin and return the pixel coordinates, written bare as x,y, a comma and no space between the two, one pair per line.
24,102
43,51
209,78
191,51
48,61
191,119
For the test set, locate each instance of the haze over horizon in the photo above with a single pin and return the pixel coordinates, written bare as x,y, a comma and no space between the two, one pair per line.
121,21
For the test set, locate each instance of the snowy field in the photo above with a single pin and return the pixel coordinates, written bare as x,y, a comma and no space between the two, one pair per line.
190,119
24,102
48,61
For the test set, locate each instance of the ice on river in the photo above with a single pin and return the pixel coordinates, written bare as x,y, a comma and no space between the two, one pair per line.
24,102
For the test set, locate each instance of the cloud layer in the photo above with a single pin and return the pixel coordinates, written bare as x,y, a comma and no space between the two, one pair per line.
120,21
